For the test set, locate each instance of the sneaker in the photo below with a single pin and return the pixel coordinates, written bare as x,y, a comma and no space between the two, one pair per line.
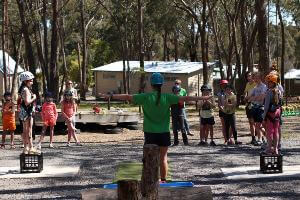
51,145
259,143
26,150
254,142
68,144
191,134
237,142
78,144
230,142
39,146
32,151
212,143
201,143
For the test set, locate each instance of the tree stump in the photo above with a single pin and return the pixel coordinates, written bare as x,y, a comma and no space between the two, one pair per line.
129,189
149,182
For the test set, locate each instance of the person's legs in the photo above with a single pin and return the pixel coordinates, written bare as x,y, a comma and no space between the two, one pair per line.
175,130
163,163
29,128
12,139
51,134
3,139
69,132
276,136
233,127
223,128
269,135
42,134
186,124
25,136
211,130
227,126
182,128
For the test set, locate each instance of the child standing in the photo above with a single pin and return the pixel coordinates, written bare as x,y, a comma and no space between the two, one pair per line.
206,117
8,119
49,117
177,113
229,115
271,113
68,109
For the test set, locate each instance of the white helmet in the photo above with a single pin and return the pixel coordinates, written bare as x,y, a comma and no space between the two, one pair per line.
25,76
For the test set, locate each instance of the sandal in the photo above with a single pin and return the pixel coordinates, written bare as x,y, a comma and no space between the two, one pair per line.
12,146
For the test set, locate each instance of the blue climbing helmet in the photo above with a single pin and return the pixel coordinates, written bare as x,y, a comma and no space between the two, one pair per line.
206,88
157,79
176,89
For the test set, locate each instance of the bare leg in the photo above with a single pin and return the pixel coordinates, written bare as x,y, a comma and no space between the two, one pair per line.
30,123
211,130
3,139
51,134
163,162
43,134
12,136
223,128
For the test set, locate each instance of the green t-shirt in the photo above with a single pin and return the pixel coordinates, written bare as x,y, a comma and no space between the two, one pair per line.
182,92
156,117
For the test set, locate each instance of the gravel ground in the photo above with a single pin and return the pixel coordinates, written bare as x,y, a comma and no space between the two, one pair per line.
100,154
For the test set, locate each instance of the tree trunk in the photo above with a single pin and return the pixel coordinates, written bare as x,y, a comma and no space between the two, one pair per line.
17,55
129,189
141,45
46,60
282,43
165,36
30,61
79,62
84,50
149,181
261,19
62,44
54,78
203,39
176,45
4,42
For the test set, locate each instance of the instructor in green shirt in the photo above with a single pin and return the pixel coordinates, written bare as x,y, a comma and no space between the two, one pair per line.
156,109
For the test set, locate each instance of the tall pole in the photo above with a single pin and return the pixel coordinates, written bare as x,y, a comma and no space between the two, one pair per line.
141,45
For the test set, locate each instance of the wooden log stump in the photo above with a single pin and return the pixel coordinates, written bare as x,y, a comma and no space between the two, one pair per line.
149,182
129,189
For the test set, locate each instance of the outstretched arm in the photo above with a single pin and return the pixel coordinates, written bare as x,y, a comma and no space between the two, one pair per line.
122,97
194,98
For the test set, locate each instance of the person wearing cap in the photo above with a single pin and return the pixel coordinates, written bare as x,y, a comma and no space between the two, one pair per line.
156,109
206,117
49,116
271,113
248,89
27,108
184,93
178,119
8,119
221,101
256,97
229,115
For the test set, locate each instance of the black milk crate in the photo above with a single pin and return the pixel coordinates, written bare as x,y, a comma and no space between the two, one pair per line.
270,164
31,163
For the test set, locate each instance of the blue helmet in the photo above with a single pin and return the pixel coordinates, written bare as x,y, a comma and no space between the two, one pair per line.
176,89
157,79
48,94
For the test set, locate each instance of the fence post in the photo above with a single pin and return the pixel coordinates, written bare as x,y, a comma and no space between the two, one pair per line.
151,162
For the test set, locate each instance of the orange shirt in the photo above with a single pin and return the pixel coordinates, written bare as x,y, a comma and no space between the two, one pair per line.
49,111
69,108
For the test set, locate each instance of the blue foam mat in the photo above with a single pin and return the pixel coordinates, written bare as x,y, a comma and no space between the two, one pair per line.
169,184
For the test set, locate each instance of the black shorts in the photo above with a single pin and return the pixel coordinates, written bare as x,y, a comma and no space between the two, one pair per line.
160,139
207,121
221,114
257,114
249,113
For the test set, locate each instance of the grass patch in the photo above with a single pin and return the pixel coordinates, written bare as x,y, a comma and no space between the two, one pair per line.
131,171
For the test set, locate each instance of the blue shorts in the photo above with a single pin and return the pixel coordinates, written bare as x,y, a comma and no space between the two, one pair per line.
160,139
207,121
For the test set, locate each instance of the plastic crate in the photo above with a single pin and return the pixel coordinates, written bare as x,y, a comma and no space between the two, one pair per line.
31,163
270,164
